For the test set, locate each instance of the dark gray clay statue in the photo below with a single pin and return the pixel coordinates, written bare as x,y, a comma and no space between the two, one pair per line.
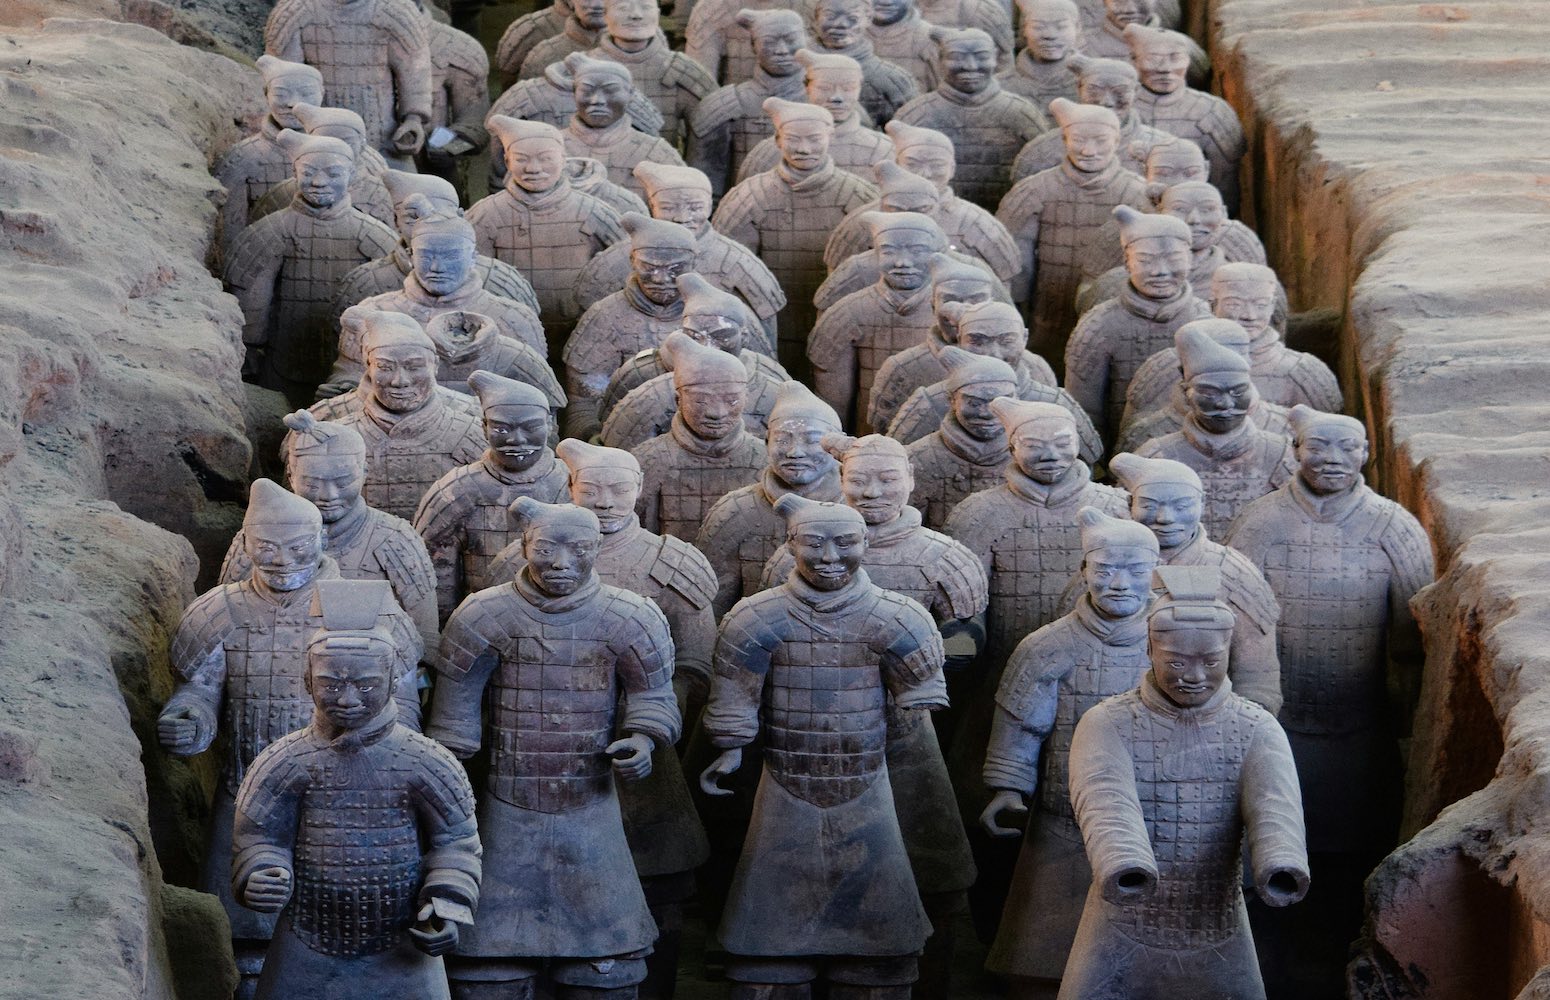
968,452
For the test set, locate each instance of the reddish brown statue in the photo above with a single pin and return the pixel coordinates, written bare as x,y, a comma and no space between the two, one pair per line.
902,37
730,121
463,516
240,656
1237,461
852,340
810,666
707,451
986,123
368,190
833,82
1052,679
415,430
672,81
840,28
599,660
601,130
1043,70
742,529
285,268
375,59
357,831
1165,915
580,33
968,451
1108,83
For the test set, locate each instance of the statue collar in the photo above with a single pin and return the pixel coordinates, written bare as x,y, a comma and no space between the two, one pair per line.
542,200
826,488
354,740
704,447
815,178
1127,631
544,466
788,86
1033,491
1086,181
636,298
829,601
993,453
551,604
1156,310
625,536
1332,508
1189,553
653,49
327,569
881,536
1222,447
903,302
338,535
964,99
599,138
454,299
861,51
1153,698
578,32
337,210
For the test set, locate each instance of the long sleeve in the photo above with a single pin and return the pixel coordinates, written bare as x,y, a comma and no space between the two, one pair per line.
252,270
267,810
832,352
719,542
464,664
439,522
444,804
1019,212
644,645
410,60
912,663
710,149
1255,664
1026,702
199,660
704,41
1271,801
736,217
408,642
694,639
1087,368
1108,809
468,101
742,662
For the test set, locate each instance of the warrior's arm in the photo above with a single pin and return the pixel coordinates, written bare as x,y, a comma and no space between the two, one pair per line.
268,808
1271,801
464,664
444,805
1255,664
1108,809
645,669
1024,718
742,662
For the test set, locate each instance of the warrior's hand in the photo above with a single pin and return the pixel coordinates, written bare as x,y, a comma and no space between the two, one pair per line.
729,761
328,390
268,890
183,731
431,934
1005,801
632,756
410,135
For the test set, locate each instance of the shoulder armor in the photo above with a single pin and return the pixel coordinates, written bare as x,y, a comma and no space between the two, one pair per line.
717,108
203,628
683,569
683,71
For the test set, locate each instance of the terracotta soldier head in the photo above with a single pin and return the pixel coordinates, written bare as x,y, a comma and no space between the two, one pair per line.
442,247
602,89
1174,162
287,84
875,475
1090,133
967,57
797,423
953,281
1118,557
714,318
1161,56
1189,634
802,131
827,539
886,12
325,462
1246,294
841,24
323,167
591,14
1122,13
992,329
974,382
335,123
632,24
1107,83
351,661
403,186
1217,384
282,537
833,82
606,481
676,194
560,543
923,151
1199,206
535,152
517,420
1043,438
1050,28
1156,252
659,253
1165,495
898,190
400,373
905,243
776,36
1331,450
711,386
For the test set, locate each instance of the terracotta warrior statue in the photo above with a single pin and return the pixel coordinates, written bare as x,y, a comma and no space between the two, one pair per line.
986,123
415,430
522,34
1043,69
683,195
1115,337
1165,915
580,33
250,168
840,28
1168,101
599,659
1108,83
902,37
539,223
785,215
368,191
550,98
375,59
239,654
1248,295
993,17
672,81
326,464
1056,213
601,130
590,176
811,666
730,121
1237,461
852,340
1052,679
636,318
833,82
742,529
356,830
463,515
665,836
952,283
1110,38
460,99
968,451
707,451
716,37
284,269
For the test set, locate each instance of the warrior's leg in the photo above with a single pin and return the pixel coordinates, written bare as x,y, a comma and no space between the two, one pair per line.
936,961
771,978
665,895
250,962
615,978
492,979
873,978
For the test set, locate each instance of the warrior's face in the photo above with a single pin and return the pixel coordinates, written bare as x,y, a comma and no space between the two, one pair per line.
934,164
285,93
593,14
795,453
1220,401
838,92
1189,665
841,23
535,165
877,486
443,262
969,66
1158,266
965,292
689,207
713,410
1049,33
608,493
1175,163
1004,343
1119,578
1163,67
561,556
1330,457
1123,12
324,180
827,553
1117,93
777,51
904,257
909,201
886,12
331,483
971,408
1202,210
350,686
401,377
657,271
1171,510
631,20
1045,449
517,434
285,557
1090,146
1252,305
721,332
601,99
804,145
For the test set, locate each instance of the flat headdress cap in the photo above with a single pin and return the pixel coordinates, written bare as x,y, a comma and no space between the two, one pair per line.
951,38
1094,68
844,447
882,223
647,233
1013,412
783,112
795,401
967,368
998,317
828,63
1144,38
351,611
498,390
1243,273
907,136
947,269
299,144
692,363
401,184
1305,418
272,68
582,65
530,514
314,119
1200,354
580,456
893,181
1068,113
1134,225
273,505
433,221
1188,597
1100,531
310,437
655,177
798,510
770,22
1136,473
391,329
512,130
